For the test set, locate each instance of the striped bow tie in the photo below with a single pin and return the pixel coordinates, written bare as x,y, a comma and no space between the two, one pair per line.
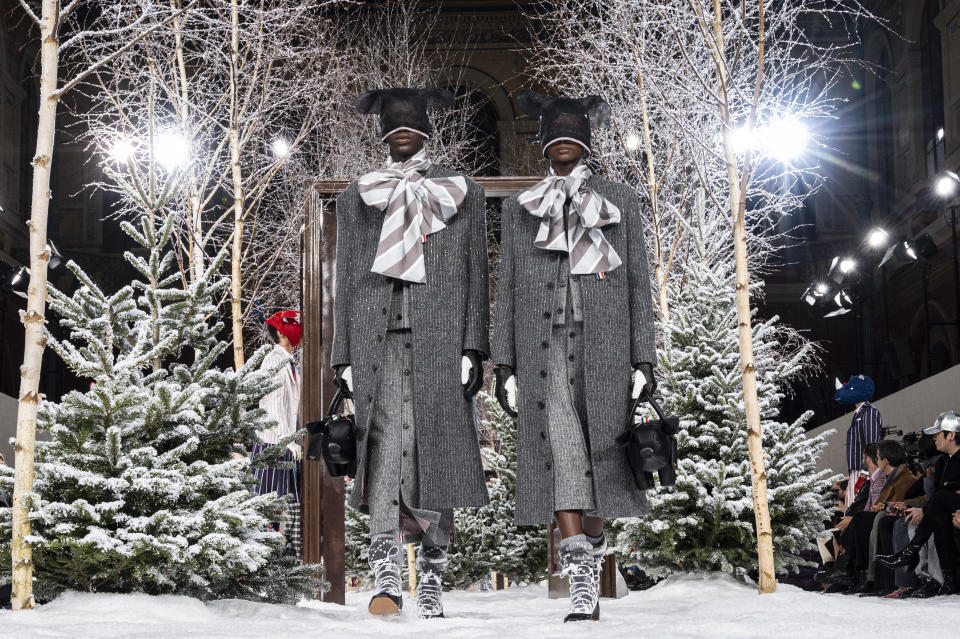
582,238
415,207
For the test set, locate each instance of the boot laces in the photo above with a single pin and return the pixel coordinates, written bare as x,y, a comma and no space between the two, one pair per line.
429,590
582,592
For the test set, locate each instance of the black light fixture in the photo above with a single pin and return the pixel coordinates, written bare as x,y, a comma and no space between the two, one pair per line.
924,246
903,252
842,302
815,293
56,257
842,270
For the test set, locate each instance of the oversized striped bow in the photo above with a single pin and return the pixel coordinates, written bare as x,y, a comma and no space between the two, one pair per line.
581,237
414,208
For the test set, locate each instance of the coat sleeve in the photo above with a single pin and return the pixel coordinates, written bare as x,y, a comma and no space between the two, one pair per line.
504,349
347,203
642,337
476,335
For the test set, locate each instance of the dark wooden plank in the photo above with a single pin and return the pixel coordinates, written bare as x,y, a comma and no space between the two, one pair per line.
323,535
494,186
331,522
311,408
608,578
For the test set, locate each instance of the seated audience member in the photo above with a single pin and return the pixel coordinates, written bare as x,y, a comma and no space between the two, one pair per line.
925,580
898,481
936,519
859,517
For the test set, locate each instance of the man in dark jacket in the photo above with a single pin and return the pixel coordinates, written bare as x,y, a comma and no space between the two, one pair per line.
937,516
411,330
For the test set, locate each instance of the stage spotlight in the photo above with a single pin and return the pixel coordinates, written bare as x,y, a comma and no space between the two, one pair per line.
843,302
842,269
924,246
877,238
20,281
947,184
902,252
809,296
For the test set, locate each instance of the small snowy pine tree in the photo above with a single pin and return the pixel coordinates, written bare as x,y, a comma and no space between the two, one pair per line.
706,521
487,538
139,489
356,527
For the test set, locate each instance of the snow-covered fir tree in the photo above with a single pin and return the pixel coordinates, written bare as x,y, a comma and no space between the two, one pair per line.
487,539
139,488
706,521
356,527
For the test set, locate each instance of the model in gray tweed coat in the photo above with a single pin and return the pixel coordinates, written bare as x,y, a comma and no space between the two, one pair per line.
449,314
618,333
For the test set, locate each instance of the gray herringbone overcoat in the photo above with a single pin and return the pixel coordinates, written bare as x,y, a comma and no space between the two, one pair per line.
449,314
618,332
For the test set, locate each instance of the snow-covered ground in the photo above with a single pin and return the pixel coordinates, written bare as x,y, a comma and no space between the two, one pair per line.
711,607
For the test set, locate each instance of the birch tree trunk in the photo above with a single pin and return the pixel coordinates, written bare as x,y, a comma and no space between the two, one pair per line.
767,582
236,306
33,320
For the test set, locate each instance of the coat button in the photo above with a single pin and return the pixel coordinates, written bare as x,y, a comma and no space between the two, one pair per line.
547,315
545,344
541,406
573,333
396,503
543,374
399,317
406,427
549,465
406,371
573,381
404,453
374,368
543,435
379,338
369,398
559,311
550,286
407,345
571,357
589,473
383,310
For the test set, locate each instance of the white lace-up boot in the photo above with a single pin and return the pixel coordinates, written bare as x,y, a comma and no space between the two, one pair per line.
385,561
577,562
431,562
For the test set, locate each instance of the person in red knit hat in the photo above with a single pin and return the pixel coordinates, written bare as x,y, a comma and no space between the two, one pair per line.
283,407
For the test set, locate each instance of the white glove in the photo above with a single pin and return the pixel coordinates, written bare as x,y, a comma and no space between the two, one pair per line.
465,367
511,389
639,381
348,378
296,450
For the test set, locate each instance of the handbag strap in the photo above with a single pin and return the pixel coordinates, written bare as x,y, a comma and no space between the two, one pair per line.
338,398
644,395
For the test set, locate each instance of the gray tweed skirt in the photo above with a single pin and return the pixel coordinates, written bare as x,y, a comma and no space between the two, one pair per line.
392,479
567,421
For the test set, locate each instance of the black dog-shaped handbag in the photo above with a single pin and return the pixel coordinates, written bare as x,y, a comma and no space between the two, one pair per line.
334,440
651,446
